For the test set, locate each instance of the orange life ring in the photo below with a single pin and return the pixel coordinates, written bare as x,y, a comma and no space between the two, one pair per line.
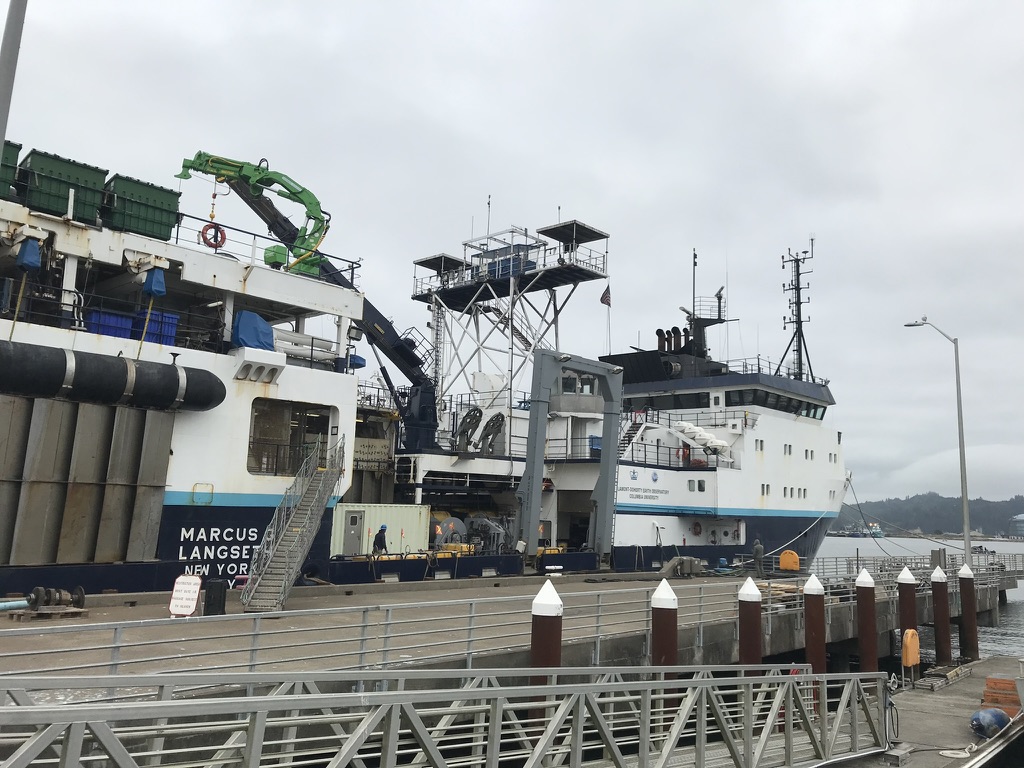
218,238
696,529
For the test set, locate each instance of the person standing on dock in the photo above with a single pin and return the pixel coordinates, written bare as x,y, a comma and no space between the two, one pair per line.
758,559
380,541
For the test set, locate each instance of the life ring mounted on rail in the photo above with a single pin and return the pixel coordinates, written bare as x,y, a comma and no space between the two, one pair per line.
696,529
214,236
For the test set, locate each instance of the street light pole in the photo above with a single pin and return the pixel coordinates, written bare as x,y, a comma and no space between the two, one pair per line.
960,427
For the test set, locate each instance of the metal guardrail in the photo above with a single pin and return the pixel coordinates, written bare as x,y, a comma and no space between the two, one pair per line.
450,631
354,637
624,717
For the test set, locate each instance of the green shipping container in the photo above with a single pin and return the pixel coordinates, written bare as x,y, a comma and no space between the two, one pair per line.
135,206
9,168
48,179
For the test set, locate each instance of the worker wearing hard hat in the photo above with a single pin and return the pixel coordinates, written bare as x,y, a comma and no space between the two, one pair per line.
380,541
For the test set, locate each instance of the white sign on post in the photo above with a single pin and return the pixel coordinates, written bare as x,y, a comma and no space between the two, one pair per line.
185,596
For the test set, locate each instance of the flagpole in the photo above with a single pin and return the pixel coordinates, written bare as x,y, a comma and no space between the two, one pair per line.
606,299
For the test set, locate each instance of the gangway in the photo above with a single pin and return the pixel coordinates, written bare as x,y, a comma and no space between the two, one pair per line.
289,535
621,717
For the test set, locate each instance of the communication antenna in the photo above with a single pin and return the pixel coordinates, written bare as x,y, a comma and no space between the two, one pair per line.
488,230
796,320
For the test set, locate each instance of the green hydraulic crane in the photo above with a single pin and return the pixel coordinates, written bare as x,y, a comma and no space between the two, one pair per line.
419,408
249,182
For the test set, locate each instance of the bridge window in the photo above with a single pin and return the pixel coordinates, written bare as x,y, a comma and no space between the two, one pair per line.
700,486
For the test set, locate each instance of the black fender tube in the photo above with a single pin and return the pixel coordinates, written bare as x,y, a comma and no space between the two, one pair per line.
31,370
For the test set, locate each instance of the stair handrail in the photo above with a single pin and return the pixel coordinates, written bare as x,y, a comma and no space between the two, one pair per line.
327,481
278,524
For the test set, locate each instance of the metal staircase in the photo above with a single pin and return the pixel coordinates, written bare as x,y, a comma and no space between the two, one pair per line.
286,543
628,435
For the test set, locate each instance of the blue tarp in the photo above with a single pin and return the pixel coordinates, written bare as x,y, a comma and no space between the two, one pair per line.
251,330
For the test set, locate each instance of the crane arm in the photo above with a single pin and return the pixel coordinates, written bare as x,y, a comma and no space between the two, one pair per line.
250,181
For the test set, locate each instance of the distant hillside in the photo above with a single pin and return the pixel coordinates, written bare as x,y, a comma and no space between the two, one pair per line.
930,513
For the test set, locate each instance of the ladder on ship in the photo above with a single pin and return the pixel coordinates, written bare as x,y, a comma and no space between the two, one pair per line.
289,536
628,435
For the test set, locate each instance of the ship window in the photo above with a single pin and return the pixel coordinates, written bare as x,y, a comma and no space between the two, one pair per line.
795,405
785,492
282,433
663,402
733,397
569,383
772,400
768,489
691,400
690,484
807,454
782,403
700,486
718,400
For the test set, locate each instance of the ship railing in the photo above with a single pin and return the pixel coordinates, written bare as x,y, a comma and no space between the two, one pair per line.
267,457
617,716
196,328
512,260
707,420
244,245
278,524
765,365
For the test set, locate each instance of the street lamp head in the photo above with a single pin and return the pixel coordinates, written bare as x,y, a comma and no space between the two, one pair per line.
918,323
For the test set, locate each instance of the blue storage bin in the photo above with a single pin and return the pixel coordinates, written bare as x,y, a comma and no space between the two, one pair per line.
108,323
163,326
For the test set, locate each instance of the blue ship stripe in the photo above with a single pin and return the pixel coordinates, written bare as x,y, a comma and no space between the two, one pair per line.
194,499
645,509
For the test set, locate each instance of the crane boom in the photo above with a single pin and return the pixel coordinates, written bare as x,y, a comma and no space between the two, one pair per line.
249,182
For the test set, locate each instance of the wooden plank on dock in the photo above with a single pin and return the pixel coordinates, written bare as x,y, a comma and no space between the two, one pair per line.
49,613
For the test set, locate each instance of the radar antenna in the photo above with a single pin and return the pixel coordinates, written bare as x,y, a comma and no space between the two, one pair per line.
796,320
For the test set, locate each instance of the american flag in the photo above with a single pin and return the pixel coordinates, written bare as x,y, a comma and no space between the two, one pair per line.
606,297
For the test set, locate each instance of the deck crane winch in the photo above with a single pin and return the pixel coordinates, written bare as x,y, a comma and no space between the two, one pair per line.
419,410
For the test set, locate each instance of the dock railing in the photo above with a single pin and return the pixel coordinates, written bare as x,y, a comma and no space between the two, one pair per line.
409,633
621,716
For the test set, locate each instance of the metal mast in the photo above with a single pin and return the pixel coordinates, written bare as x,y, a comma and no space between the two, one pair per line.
797,299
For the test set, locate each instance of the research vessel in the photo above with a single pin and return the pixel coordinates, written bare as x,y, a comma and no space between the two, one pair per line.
172,405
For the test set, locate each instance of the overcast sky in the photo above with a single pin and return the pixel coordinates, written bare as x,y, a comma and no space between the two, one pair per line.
891,131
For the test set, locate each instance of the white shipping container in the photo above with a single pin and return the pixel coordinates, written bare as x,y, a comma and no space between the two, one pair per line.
355,525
